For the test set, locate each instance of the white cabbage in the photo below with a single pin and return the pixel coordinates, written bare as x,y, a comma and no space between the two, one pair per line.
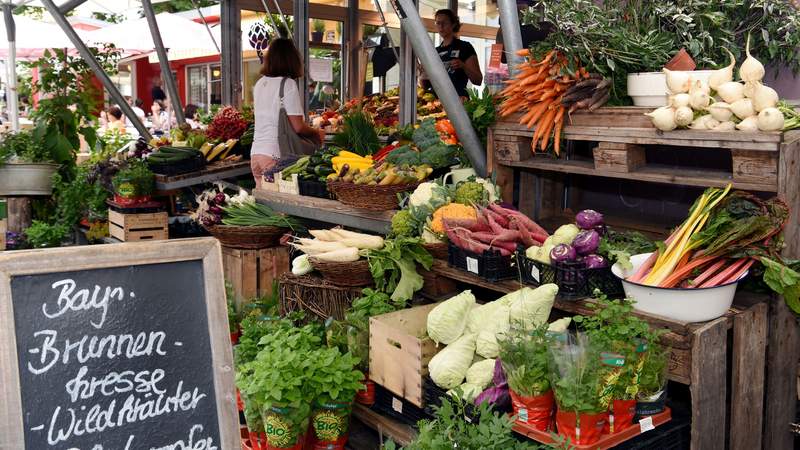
447,321
481,373
449,367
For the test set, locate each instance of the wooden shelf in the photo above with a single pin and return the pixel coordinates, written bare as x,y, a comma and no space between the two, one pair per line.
324,210
651,173
385,426
212,172
325,46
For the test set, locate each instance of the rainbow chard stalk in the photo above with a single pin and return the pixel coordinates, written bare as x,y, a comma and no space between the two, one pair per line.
666,263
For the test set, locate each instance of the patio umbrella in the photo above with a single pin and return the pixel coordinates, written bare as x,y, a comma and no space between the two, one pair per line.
177,33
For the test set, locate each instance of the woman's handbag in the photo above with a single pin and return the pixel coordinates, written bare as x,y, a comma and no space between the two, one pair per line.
289,141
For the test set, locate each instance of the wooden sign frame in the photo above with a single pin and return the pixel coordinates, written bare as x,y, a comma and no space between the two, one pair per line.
35,262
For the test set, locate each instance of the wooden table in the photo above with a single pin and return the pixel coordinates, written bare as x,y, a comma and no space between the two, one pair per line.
698,358
325,210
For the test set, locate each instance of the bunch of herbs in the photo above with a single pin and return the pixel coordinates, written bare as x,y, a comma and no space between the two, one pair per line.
525,358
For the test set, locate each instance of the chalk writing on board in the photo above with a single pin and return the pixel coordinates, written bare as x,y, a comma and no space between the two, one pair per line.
113,375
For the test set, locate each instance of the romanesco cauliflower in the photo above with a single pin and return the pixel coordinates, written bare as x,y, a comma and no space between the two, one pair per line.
403,224
471,192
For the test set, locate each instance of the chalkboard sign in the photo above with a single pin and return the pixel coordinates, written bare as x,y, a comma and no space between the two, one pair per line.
116,347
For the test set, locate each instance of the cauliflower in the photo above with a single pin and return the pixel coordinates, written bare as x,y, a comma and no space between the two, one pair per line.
490,187
429,237
422,194
403,224
470,192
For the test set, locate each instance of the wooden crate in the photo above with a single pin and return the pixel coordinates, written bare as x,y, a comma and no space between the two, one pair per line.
252,272
400,350
616,157
3,228
138,227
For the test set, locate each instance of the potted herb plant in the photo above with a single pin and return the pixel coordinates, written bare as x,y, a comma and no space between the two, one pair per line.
26,167
621,338
371,303
525,359
319,30
134,183
575,370
652,374
336,380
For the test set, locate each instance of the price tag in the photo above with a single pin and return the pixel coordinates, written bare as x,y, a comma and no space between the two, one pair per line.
397,405
523,415
535,273
646,424
472,265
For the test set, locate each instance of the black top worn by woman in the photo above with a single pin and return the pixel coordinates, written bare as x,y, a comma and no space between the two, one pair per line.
461,50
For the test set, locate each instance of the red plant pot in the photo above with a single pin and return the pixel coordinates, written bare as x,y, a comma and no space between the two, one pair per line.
366,396
581,428
536,411
131,201
621,416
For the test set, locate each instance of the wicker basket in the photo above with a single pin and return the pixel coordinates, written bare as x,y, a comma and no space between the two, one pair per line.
318,298
438,251
247,237
344,273
371,197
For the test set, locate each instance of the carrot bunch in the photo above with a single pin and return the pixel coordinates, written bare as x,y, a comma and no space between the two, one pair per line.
538,92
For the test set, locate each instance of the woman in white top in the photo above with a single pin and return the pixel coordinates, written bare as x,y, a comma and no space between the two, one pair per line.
281,61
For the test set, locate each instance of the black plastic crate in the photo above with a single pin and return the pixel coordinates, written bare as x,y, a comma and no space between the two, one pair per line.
573,279
673,435
398,408
311,188
491,266
432,396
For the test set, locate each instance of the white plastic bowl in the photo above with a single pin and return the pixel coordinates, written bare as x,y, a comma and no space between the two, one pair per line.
650,88
684,305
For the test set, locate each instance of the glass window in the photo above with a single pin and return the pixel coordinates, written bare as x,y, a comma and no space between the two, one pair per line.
479,12
251,75
197,77
329,2
391,79
325,64
216,84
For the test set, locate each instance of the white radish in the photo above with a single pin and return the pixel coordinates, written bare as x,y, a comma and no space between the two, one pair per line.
683,116
360,240
679,100
704,123
699,86
725,126
324,235
348,254
731,91
751,69
663,118
677,81
743,108
314,247
724,75
770,119
764,97
700,100
749,125
720,111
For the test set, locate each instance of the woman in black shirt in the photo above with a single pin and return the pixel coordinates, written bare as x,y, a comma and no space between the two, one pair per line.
458,56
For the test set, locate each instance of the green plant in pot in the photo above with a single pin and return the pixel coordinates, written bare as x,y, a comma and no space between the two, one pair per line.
279,382
336,381
135,182
652,376
576,375
621,338
525,359
26,167
319,30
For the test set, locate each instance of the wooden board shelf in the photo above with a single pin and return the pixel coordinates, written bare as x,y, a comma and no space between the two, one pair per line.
650,173
212,172
325,210
385,426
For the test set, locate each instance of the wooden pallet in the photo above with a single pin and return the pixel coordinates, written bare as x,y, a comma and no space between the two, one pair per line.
138,227
251,272
698,358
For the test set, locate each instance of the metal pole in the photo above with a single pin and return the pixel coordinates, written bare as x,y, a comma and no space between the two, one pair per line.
231,23
271,20
11,69
301,39
163,61
423,47
283,18
386,29
512,36
202,17
70,5
408,80
89,58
